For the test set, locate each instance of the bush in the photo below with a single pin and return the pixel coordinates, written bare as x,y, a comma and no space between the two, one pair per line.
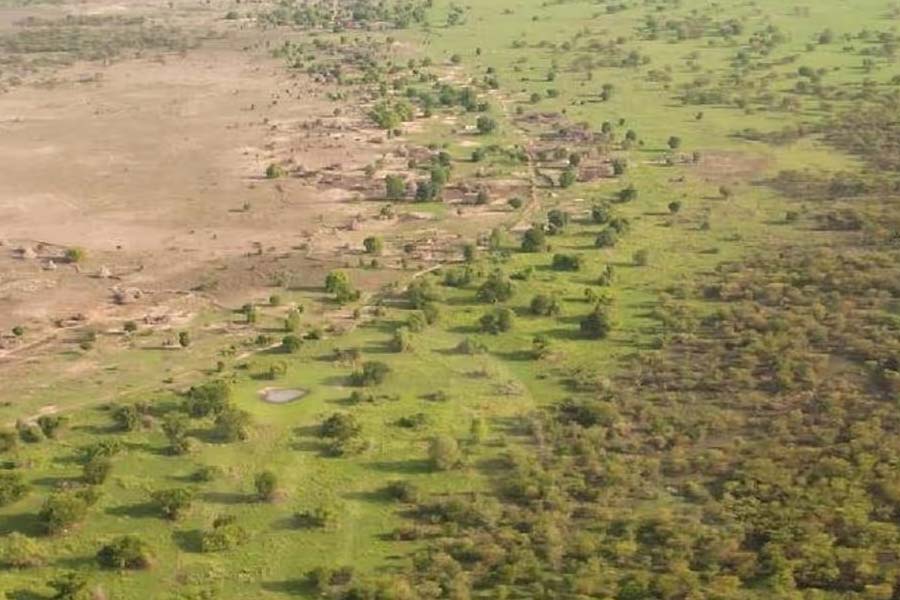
340,426
596,325
444,453
627,194
606,238
459,277
126,552
567,178
62,511
9,441
416,323
338,283
224,535
293,321
545,305
485,124
127,417
497,321
22,552
52,425
558,220
69,586
373,245
208,399
75,255
30,433
470,346
395,187
173,503
401,341
266,484
102,449
314,518
96,470
534,240
12,487
371,373
420,292
496,288
403,491
175,427
291,343
515,202
567,262
233,424
274,171
641,257
606,277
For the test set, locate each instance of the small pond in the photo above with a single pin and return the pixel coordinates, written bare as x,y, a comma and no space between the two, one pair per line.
281,395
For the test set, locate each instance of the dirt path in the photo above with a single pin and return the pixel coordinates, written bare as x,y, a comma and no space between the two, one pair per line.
526,217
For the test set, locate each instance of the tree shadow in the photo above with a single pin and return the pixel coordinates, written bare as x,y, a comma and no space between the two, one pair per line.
406,467
141,510
229,498
515,355
284,524
55,482
188,540
465,329
75,563
25,594
26,523
564,334
98,429
379,496
296,587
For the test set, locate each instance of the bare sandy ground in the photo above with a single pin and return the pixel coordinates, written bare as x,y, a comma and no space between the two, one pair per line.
151,168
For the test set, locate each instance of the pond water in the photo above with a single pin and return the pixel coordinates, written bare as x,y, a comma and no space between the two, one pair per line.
281,395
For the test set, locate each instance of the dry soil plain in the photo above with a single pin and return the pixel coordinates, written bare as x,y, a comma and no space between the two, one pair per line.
413,299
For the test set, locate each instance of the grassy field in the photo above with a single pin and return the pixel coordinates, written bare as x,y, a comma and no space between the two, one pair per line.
502,386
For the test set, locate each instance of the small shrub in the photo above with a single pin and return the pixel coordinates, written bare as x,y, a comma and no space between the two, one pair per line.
371,373
22,552
274,171
403,491
126,552
567,262
224,535
291,343
62,511
266,484
606,238
470,346
444,453
315,518
641,257
96,470
173,503
545,305
596,325
12,487
497,321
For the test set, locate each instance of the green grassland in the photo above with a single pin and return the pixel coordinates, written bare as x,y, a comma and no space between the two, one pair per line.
504,385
